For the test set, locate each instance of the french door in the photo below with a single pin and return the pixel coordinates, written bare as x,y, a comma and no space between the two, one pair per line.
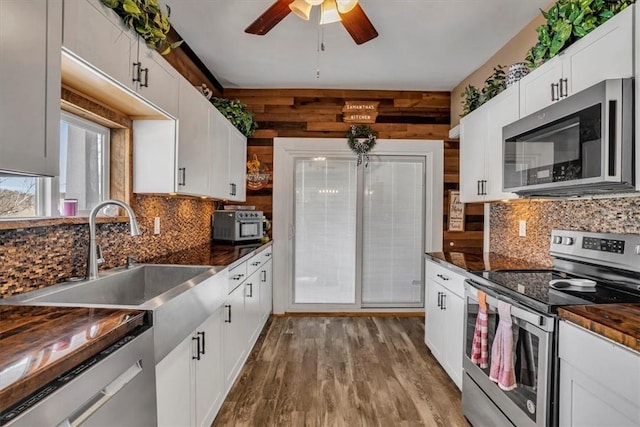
359,233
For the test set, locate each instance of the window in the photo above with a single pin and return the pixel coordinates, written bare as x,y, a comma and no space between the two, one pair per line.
83,179
84,160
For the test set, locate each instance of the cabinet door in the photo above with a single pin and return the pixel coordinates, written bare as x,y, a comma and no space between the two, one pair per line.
95,34
237,164
253,311
605,53
266,290
159,80
504,109
433,319
473,137
209,376
220,184
174,386
193,141
452,345
535,89
30,32
234,337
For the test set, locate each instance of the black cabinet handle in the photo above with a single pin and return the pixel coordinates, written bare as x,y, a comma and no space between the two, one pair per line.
136,71
439,295
555,89
268,254
564,88
484,187
478,188
444,300
250,285
183,173
197,356
146,78
255,264
228,319
442,276
264,276
204,345
237,277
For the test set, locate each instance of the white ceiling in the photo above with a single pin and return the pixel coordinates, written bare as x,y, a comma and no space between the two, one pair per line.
423,44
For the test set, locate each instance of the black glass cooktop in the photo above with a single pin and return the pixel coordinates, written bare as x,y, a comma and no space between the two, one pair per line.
532,288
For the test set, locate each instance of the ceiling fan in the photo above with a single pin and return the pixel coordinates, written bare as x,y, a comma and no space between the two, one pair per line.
349,12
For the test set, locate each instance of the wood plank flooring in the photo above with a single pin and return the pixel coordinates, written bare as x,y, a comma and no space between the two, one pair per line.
342,371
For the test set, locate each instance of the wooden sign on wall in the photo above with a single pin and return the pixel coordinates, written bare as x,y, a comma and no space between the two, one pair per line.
456,211
360,111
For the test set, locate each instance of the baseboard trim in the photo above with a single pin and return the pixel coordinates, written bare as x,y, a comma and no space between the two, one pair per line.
353,314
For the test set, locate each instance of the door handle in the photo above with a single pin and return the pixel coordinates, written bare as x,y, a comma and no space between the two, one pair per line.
255,264
444,300
555,89
564,88
183,173
439,295
204,345
484,187
197,356
442,276
264,276
136,71
250,285
146,78
228,319
478,189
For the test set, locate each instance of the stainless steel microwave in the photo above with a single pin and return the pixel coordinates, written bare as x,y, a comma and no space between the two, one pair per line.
582,145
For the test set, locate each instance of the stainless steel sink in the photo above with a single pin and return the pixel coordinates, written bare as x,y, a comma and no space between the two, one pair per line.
178,297
132,287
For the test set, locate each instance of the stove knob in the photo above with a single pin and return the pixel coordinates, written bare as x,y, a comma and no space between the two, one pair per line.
567,241
557,239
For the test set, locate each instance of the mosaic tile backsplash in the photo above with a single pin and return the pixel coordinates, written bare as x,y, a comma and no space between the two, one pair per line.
616,215
33,258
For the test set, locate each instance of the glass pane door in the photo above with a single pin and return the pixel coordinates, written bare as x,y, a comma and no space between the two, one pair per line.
393,232
325,235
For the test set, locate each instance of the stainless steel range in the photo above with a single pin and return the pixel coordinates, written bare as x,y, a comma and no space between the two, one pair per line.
588,268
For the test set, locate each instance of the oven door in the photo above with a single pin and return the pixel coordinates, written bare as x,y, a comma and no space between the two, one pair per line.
529,403
248,230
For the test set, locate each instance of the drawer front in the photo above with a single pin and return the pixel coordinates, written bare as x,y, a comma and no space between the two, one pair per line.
237,275
451,280
611,365
266,254
253,264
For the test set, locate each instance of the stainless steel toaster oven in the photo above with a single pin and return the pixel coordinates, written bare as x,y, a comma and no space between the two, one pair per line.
238,226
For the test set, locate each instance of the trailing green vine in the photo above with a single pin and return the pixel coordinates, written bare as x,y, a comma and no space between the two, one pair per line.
146,18
237,113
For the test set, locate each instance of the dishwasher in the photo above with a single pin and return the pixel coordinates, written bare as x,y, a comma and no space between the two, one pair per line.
116,387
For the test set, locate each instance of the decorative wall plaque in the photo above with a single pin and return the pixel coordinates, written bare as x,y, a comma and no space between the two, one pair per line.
360,111
456,211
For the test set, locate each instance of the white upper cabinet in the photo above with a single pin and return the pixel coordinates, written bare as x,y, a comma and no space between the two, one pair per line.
194,147
605,53
481,148
30,40
96,35
229,156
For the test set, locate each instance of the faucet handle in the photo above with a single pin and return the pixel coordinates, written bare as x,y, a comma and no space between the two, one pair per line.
131,261
100,257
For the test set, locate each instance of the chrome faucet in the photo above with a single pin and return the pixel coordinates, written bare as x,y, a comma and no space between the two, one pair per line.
92,261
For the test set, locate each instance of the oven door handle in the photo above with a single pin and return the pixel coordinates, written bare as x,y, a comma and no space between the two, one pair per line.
517,311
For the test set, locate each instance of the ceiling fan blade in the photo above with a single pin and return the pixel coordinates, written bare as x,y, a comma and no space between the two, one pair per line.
358,25
270,18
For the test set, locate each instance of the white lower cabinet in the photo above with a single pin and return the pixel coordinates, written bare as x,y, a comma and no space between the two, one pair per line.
233,337
174,387
444,318
252,307
209,374
599,380
266,290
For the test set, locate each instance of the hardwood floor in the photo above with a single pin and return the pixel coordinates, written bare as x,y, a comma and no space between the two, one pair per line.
342,371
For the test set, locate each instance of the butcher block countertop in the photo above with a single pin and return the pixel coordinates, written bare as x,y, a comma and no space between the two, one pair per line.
618,322
38,344
217,254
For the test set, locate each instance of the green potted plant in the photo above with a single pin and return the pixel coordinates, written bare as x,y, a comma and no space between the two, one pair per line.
147,19
568,21
237,113
495,83
470,99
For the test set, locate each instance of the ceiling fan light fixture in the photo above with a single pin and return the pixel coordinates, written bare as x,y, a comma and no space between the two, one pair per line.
301,8
345,6
314,2
329,12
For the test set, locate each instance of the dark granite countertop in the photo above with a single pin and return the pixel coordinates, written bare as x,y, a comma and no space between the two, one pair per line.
38,344
217,254
618,322
488,261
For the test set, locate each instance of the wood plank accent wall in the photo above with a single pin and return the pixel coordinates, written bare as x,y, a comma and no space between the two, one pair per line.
317,113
